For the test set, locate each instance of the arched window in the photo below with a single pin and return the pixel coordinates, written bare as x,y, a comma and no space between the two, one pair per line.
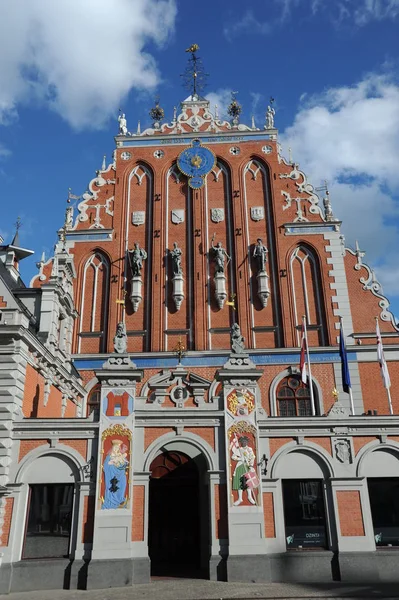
293,398
93,401
94,305
307,295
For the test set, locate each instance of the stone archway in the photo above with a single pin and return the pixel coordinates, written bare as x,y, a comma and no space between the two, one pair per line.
178,512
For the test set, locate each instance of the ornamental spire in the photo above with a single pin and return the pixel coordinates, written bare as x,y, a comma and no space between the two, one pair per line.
194,76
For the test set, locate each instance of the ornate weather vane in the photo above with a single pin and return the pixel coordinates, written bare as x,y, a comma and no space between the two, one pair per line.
194,76
234,109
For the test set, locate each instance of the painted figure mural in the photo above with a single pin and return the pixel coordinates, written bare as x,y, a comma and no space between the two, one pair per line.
114,491
243,465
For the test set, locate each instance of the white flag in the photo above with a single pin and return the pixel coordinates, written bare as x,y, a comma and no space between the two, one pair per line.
381,359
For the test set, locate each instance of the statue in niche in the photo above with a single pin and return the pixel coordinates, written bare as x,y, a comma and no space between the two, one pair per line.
270,117
137,257
220,255
122,124
260,255
176,255
244,457
120,339
236,340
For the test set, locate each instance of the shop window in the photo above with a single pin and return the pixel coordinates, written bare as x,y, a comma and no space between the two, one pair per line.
304,514
93,401
49,521
384,504
293,398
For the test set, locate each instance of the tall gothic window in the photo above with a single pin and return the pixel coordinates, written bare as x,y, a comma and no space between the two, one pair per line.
293,398
307,295
93,401
94,306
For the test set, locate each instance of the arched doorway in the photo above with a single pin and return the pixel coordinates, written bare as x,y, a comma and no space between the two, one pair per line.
178,509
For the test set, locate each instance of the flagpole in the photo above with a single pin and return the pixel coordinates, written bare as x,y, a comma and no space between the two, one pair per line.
309,368
383,365
342,337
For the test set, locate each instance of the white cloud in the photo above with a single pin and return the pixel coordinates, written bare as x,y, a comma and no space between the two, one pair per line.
79,58
350,136
248,23
337,12
221,98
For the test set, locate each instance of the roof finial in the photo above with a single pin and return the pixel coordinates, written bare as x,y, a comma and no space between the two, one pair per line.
194,75
157,113
104,165
234,109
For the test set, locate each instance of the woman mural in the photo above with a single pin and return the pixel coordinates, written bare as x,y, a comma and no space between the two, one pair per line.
115,476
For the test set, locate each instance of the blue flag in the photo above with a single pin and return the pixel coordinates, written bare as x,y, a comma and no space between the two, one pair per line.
346,379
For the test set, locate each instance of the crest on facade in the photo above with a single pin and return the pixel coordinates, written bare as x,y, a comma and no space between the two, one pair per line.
257,213
343,451
217,215
177,216
138,217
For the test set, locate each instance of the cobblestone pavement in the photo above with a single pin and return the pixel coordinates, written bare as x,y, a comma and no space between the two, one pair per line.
192,589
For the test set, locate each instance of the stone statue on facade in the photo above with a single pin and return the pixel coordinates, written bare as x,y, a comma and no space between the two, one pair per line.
220,255
122,124
138,255
270,117
260,255
236,340
176,255
120,339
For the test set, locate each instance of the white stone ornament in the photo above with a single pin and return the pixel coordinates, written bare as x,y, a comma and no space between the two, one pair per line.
126,155
217,215
234,150
257,213
267,149
138,217
177,216
159,154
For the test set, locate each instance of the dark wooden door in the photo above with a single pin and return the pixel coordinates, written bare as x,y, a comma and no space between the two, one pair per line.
174,517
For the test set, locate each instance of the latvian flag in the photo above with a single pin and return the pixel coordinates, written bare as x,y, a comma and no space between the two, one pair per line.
381,359
302,362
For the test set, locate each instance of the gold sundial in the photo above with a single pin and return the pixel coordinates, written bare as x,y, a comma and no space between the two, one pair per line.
196,161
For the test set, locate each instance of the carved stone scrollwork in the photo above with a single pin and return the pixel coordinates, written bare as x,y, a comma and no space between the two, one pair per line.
220,289
342,450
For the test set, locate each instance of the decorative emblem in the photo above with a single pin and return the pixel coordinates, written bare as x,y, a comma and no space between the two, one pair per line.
196,162
177,216
138,217
257,213
217,215
159,154
126,155
267,149
343,451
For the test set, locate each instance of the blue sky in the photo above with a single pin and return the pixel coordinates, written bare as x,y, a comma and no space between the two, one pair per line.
67,67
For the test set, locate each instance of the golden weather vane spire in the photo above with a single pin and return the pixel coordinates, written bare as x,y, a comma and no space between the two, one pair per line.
194,76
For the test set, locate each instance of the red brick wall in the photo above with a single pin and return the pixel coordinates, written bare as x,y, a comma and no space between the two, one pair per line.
33,401
138,513
360,441
276,443
153,433
373,391
88,519
5,534
268,513
350,513
206,433
78,445
3,303
324,442
25,446
221,511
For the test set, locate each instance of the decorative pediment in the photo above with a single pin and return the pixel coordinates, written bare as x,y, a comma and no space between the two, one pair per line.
178,385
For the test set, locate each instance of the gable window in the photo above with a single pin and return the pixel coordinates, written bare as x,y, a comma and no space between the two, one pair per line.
293,398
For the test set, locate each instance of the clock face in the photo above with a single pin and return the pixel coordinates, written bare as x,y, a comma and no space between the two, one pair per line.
196,162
